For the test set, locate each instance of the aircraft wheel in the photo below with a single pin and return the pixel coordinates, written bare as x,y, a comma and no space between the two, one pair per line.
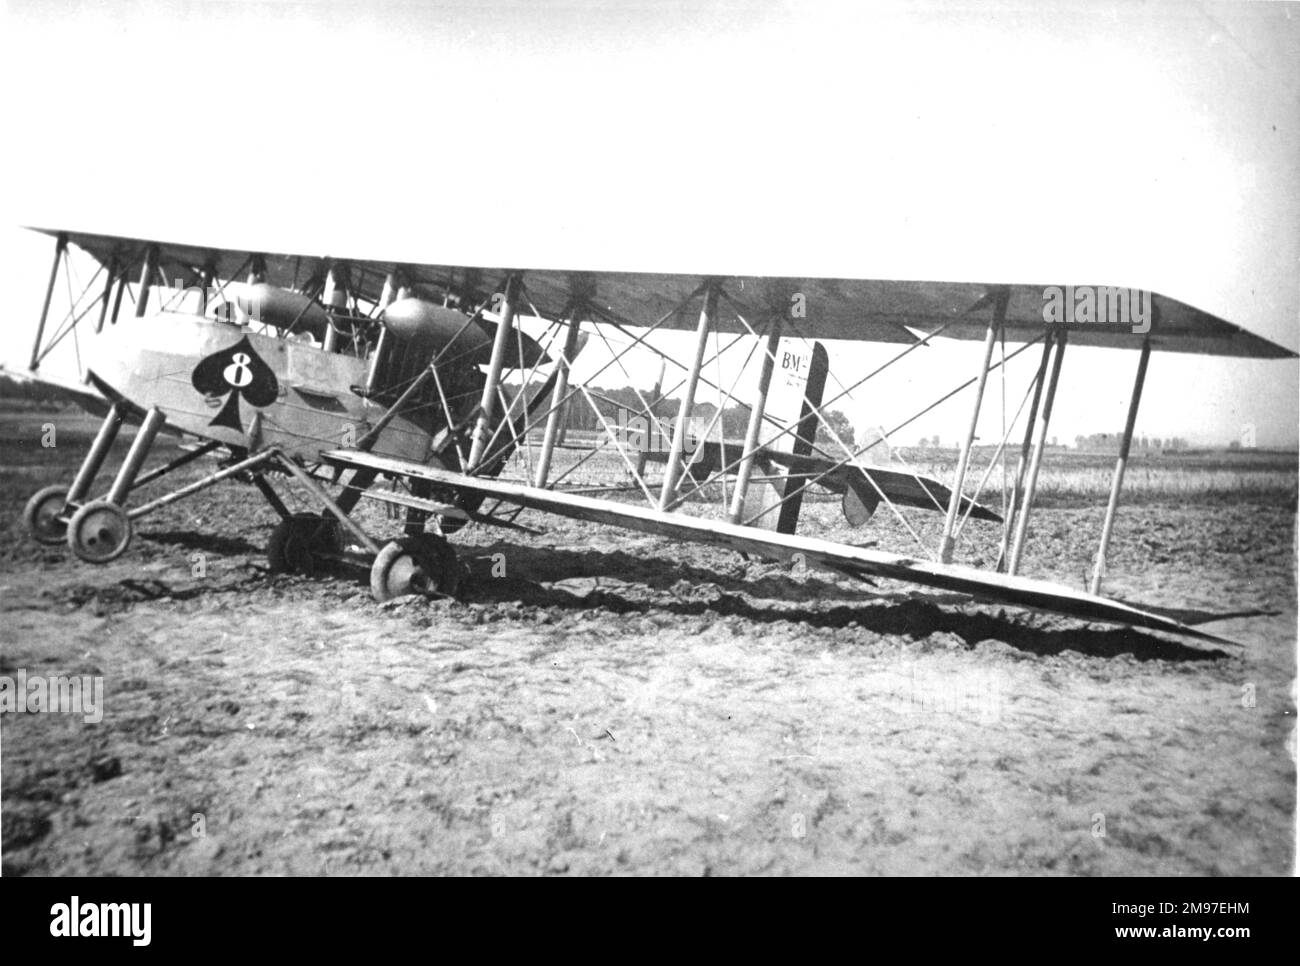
300,544
424,564
41,515
99,532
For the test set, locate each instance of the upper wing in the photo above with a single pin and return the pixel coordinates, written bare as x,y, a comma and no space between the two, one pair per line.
872,310
1176,327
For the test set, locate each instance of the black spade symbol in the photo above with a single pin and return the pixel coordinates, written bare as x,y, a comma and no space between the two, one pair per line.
239,371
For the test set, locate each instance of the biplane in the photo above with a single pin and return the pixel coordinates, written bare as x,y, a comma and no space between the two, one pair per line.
420,386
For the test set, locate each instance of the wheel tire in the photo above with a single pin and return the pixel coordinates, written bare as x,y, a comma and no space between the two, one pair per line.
41,515
299,544
424,564
99,532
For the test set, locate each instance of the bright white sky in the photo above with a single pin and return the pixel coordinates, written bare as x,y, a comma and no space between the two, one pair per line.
1152,145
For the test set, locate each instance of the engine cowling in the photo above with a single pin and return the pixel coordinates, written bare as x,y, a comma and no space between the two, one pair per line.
279,307
432,328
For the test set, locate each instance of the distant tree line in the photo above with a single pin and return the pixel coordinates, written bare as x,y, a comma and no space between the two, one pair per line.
1109,442
734,420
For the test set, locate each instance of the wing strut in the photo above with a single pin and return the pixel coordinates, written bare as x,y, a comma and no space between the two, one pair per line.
121,291
555,417
377,356
1099,569
333,296
756,413
996,321
60,247
146,272
673,469
1036,461
488,401
108,295
1022,464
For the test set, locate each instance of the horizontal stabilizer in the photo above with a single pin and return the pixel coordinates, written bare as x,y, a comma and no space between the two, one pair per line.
868,483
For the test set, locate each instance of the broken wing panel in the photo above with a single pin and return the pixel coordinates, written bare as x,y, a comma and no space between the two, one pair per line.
858,561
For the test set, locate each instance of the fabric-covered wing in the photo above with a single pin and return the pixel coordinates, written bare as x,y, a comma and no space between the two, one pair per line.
854,309
1176,327
862,562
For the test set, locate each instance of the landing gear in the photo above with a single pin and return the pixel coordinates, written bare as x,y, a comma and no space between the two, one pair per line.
303,544
423,564
99,532
47,512
43,515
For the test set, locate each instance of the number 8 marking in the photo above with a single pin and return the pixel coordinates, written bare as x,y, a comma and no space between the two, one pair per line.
237,373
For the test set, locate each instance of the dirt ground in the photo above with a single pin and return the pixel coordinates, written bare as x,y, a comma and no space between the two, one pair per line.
618,704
